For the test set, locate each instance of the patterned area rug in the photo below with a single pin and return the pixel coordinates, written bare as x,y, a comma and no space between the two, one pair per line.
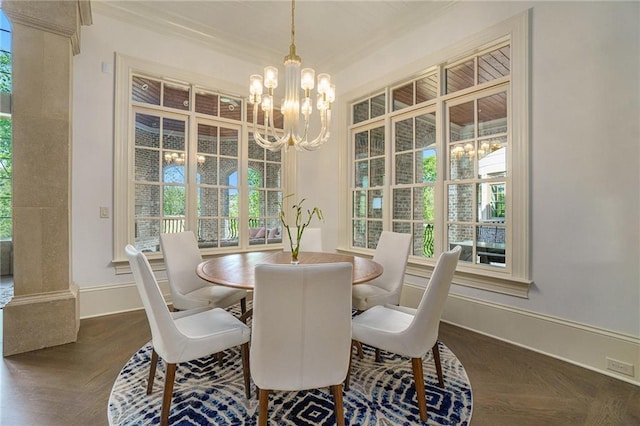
206,394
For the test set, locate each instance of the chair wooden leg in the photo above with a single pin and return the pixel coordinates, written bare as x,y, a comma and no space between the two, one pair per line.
152,371
436,359
348,378
264,407
378,357
358,346
245,370
220,356
168,394
418,378
243,305
336,390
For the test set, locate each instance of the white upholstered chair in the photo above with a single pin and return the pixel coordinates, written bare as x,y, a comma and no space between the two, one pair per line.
301,330
188,291
183,338
311,239
392,252
411,332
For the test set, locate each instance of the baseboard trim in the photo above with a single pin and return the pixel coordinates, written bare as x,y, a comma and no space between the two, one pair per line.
576,343
114,299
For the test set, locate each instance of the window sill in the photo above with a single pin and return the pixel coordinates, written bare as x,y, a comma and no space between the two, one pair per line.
496,282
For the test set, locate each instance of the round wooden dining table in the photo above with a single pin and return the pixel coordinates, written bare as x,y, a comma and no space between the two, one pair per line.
237,269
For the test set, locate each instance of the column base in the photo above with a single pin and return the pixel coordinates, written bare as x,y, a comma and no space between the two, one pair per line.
39,321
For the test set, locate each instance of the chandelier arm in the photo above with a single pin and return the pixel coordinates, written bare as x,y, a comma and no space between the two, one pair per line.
322,137
264,142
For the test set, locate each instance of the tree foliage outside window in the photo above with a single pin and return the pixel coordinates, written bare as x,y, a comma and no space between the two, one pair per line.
5,151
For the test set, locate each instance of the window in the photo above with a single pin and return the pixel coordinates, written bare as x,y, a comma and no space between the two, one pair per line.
5,129
445,160
186,163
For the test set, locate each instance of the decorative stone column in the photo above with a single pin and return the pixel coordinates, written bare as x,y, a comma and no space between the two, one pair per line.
44,311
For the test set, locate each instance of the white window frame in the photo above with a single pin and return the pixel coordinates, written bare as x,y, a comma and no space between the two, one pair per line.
516,279
125,67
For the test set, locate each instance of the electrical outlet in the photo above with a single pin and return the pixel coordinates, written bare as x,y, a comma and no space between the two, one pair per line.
104,212
620,367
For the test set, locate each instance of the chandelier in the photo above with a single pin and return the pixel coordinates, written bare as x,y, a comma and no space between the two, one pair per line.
291,106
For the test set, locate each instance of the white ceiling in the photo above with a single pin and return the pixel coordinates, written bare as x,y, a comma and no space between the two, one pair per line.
328,34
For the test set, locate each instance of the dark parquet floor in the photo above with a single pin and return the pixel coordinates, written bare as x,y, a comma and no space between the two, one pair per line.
70,384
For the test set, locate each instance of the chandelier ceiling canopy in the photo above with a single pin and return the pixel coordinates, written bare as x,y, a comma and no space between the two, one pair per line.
296,133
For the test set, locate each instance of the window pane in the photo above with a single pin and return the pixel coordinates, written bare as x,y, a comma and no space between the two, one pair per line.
207,103
361,112
404,169
147,201
491,202
255,151
274,199
426,170
273,176
375,204
378,106
426,130
492,160
361,145
461,122
402,203
228,171
461,161
460,203
147,235
207,233
208,171
374,229
362,174
274,155
256,174
492,114
404,135
147,130
359,238
145,90
173,136
207,139
377,141
176,97
424,203
175,201
360,204
460,76
377,172
494,64
423,240
147,165
462,235
172,173
230,108
427,88
490,245
207,202
228,202
402,227
402,97
228,142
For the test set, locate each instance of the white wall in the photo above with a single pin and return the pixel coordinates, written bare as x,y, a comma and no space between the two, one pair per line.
93,150
584,148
